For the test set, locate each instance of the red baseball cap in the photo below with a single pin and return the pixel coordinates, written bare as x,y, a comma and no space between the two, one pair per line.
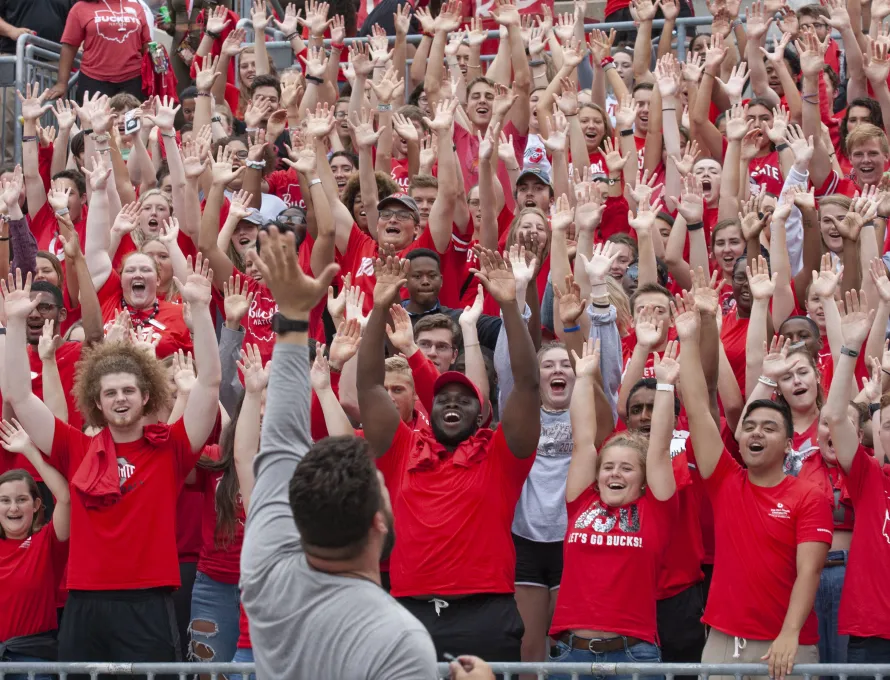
449,377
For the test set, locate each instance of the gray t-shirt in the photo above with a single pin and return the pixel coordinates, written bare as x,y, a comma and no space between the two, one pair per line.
541,510
304,622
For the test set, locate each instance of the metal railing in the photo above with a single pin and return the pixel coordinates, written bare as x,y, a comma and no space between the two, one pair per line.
219,671
36,60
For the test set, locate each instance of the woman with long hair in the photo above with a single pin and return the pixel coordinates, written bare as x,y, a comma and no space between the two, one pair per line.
33,554
621,502
216,598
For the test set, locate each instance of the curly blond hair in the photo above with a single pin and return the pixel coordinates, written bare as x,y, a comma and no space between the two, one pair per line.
117,357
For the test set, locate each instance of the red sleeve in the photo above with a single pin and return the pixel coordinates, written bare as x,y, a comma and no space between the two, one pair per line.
863,466
726,467
352,258
74,32
614,219
402,441
814,524
425,374
44,164
146,34
186,459
66,454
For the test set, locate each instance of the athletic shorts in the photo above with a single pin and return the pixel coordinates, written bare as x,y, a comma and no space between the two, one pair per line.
538,564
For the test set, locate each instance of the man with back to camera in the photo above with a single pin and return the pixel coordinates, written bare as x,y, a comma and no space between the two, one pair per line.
457,483
319,521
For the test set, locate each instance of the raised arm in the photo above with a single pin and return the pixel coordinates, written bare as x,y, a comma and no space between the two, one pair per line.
703,430
379,416
98,223
856,321
207,237
35,416
247,429
443,207
521,420
582,412
16,440
659,471
365,138
33,107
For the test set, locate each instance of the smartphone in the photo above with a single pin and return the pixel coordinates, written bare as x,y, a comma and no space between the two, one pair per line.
132,122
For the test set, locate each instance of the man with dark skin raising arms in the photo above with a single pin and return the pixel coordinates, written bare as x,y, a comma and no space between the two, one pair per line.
455,488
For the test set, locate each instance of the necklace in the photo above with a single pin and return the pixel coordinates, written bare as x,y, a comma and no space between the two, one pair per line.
118,17
140,323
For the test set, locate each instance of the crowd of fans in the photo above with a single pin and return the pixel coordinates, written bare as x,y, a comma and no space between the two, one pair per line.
490,422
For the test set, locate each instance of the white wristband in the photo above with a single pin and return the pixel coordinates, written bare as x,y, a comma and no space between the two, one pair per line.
664,387
769,382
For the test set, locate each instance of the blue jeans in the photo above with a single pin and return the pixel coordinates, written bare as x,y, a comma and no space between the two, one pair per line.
243,656
832,647
214,625
643,652
12,657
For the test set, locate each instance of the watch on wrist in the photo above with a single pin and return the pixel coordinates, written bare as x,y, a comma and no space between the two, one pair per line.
281,324
849,352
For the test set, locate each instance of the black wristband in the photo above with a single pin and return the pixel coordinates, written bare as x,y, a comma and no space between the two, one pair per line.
627,133
215,36
782,146
4,238
873,408
315,79
695,226
291,36
87,131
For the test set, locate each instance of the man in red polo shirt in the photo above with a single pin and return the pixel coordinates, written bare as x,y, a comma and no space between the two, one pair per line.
123,563
775,530
864,614
455,486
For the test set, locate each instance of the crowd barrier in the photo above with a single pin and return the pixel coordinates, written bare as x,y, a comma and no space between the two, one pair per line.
510,671
35,61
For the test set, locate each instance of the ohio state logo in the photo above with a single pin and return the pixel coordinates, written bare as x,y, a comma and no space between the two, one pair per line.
116,26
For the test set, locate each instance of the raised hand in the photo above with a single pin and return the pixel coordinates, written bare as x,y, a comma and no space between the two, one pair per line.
222,168
184,374
523,263
290,23
33,106
600,263
496,275
316,18
65,114
571,304
363,129
17,296
691,205
256,376
826,279
589,362
379,42
666,367
856,318
320,373
217,20
391,275
775,358
760,282
471,314
355,304
16,440
237,299
98,176
401,335
687,319
588,208
811,51
649,330
444,118
390,87
259,16
196,290
233,45
561,214
49,342
614,160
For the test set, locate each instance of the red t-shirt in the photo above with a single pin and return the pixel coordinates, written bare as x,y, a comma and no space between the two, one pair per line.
112,34
286,185
128,245
685,552
30,570
188,524
45,228
399,173
734,336
804,445
766,172
361,254
758,530
467,148
624,548
168,323
130,545
866,592
454,513
220,559
832,481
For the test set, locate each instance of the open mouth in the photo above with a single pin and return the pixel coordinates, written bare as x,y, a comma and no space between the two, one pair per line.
866,168
121,409
393,231
800,391
616,486
341,182
530,203
244,241
706,185
451,418
482,110
756,447
834,233
558,385
137,287
153,224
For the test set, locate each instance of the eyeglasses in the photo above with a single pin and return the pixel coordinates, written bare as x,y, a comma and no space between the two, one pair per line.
474,203
340,115
440,347
818,25
290,219
400,215
44,308
241,154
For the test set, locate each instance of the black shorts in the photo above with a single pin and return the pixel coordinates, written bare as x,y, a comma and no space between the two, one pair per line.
538,564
